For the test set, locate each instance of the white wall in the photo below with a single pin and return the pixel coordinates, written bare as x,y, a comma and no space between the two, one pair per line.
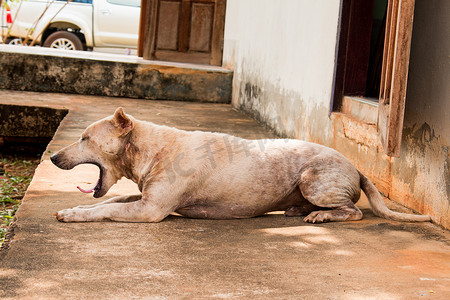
283,56
282,53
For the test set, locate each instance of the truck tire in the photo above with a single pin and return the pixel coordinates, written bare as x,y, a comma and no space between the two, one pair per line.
14,41
64,40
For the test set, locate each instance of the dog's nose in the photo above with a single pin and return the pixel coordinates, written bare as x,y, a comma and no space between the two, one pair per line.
54,159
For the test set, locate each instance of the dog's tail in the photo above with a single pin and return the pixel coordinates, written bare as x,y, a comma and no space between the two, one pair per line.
380,209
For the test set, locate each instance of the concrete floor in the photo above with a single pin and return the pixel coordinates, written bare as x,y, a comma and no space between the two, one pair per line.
263,258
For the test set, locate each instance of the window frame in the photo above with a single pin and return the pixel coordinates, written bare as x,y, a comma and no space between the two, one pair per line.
394,75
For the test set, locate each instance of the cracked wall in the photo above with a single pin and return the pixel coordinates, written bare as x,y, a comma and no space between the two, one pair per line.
283,62
421,176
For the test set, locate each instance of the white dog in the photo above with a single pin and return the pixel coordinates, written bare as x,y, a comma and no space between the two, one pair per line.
214,176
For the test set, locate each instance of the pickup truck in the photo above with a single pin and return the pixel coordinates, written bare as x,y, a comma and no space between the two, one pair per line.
72,25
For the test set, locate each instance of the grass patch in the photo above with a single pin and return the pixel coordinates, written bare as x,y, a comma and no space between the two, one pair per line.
15,177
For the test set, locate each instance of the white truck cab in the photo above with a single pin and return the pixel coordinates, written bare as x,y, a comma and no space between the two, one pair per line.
74,25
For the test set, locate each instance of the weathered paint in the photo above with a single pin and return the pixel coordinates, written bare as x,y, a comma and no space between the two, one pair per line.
282,55
50,70
283,58
421,176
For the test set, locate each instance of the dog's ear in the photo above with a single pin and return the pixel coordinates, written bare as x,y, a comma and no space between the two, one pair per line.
122,121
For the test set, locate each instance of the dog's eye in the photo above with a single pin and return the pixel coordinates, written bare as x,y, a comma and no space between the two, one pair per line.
84,138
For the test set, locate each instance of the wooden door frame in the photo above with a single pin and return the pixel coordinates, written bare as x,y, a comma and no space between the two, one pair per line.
142,27
147,26
394,76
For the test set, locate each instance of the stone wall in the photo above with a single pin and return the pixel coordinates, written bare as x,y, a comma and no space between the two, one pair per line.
88,73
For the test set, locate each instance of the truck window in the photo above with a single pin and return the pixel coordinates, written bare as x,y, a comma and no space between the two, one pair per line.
135,3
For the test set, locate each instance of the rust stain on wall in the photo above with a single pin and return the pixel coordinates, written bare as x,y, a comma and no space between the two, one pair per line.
419,179
421,176
361,133
359,142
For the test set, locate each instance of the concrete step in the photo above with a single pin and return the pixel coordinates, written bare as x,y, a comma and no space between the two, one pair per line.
90,73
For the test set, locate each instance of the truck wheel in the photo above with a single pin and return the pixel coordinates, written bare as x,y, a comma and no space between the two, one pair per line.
63,40
14,41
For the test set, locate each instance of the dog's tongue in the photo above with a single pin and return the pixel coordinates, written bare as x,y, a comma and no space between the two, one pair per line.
87,191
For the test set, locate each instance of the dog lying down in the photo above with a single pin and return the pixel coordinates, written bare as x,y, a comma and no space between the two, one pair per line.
214,176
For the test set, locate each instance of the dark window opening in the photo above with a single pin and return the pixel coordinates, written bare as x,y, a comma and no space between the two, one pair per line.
360,50
376,49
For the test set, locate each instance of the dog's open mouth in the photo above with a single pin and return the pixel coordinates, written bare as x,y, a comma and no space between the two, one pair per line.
97,189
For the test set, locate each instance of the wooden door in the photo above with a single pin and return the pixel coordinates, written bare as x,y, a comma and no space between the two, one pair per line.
183,30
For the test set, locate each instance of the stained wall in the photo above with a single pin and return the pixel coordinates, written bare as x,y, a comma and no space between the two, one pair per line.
283,57
421,176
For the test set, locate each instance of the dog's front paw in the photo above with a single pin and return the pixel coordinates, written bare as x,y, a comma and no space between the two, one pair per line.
70,215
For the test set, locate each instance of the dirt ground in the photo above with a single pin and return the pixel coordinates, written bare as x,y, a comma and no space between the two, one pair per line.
16,173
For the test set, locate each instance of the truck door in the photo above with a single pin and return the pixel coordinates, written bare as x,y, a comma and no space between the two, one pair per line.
116,23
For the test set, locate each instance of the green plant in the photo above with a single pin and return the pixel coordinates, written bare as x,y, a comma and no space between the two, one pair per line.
15,176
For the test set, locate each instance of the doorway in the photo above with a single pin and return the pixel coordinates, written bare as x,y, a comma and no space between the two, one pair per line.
183,31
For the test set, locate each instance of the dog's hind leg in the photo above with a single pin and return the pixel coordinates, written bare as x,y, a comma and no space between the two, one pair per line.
342,213
295,205
332,185
298,211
